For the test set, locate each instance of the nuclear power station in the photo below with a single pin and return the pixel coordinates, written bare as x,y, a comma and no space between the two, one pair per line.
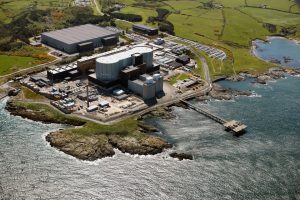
133,68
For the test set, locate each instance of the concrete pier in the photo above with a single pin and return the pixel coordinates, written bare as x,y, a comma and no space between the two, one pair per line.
233,126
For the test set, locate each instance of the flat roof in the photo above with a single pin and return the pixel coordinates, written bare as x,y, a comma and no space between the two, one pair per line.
124,54
79,34
129,69
144,27
138,81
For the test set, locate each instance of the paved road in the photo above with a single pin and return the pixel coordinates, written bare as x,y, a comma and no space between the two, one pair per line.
97,7
205,69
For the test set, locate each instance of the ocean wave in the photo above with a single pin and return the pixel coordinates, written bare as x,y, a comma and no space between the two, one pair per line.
255,95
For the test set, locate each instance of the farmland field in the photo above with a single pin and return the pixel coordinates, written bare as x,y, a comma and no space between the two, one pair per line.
229,24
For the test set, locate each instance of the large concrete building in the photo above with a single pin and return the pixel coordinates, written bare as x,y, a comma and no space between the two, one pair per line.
108,68
147,86
79,38
132,68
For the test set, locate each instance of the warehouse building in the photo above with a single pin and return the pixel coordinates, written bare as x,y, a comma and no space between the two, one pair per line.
144,29
79,39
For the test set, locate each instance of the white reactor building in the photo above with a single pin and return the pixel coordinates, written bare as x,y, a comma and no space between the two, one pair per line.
108,68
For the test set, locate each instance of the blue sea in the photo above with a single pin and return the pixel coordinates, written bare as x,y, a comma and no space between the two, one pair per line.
262,164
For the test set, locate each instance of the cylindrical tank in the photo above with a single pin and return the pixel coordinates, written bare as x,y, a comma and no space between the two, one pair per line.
107,70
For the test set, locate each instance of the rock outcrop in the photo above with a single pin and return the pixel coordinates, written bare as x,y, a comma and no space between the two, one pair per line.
181,156
85,148
92,146
149,145
97,146
162,112
221,93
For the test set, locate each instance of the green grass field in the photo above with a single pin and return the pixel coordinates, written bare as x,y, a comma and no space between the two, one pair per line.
178,77
25,57
230,24
232,27
9,64
10,8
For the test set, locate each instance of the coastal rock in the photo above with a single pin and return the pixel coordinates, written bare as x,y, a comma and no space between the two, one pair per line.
147,128
149,145
293,72
84,148
181,156
236,78
221,93
38,115
162,112
92,147
202,98
263,79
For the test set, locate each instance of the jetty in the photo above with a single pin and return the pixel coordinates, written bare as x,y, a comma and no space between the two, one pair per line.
234,126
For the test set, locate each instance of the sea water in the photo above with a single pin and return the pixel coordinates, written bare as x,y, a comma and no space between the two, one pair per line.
264,163
286,51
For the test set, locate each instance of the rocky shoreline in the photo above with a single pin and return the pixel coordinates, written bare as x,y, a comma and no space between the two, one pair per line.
100,145
221,93
40,116
89,146
93,147
273,74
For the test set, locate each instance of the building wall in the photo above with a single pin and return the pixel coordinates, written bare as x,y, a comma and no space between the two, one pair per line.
159,85
54,43
111,71
83,66
149,91
108,72
135,87
146,91
144,30
69,48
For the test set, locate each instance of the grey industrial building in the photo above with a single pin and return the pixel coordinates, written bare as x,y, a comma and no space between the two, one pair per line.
79,38
131,68
147,86
144,29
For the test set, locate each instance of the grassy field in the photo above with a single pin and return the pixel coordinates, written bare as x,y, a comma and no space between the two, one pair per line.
9,64
10,8
29,94
233,26
178,77
144,12
25,57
